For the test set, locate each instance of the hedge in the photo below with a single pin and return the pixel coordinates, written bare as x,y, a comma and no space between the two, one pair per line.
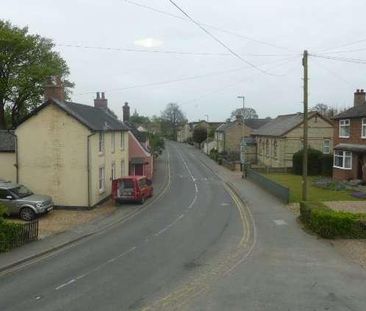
9,232
332,224
318,163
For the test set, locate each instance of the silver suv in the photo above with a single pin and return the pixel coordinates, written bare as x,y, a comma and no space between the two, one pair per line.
22,202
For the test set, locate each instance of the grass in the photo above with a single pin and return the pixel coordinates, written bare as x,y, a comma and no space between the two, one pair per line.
294,183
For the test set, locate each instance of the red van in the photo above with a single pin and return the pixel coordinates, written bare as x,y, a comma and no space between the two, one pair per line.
131,188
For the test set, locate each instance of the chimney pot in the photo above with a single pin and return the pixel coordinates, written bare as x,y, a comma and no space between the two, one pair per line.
102,95
98,95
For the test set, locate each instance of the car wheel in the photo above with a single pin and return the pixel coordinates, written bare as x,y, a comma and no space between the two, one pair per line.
142,201
27,214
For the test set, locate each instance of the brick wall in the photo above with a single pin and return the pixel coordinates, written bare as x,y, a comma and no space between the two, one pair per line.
355,135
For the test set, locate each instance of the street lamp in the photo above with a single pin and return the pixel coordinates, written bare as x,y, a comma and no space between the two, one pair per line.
242,142
206,115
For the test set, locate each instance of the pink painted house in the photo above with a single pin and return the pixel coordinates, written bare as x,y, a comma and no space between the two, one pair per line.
141,161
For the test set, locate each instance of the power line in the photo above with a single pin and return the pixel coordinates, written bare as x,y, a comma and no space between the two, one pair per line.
218,40
182,79
210,26
141,50
344,45
342,59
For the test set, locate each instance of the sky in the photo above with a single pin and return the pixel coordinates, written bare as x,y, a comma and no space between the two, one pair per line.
182,63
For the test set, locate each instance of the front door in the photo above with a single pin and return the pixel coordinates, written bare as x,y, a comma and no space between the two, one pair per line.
360,164
139,169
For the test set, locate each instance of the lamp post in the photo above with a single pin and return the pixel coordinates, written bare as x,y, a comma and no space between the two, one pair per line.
242,142
206,115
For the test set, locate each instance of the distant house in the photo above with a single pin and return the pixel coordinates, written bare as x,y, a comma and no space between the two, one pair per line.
350,141
279,139
141,160
71,151
7,156
229,135
185,132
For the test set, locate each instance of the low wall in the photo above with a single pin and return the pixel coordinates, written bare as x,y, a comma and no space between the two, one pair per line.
269,185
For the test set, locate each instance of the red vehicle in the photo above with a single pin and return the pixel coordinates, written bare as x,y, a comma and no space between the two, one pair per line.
131,188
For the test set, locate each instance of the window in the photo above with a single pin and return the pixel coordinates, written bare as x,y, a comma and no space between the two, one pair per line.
267,147
123,169
344,128
326,146
275,149
113,141
101,142
101,179
343,159
113,171
363,128
122,140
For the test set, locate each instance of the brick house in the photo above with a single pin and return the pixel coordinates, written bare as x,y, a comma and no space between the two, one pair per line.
350,141
141,160
279,139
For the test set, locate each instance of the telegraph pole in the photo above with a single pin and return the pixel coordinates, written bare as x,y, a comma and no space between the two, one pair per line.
305,154
242,150
206,115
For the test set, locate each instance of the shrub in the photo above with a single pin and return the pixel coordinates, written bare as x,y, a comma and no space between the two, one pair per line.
326,166
314,162
10,233
214,154
332,224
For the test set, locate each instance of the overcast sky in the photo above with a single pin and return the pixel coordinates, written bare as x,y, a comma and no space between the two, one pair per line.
291,25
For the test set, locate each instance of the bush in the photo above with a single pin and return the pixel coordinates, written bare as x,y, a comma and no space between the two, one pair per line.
214,154
326,166
9,232
314,162
332,224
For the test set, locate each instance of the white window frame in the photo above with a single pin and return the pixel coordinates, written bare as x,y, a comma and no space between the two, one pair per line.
113,142
101,179
343,155
363,128
101,142
113,171
342,124
324,146
122,140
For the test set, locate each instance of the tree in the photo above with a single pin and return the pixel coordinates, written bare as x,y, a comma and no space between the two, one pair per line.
249,113
26,61
171,118
199,134
325,110
138,119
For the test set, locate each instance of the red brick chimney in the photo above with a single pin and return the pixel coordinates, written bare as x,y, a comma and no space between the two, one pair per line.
360,97
100,101
126,112
54,89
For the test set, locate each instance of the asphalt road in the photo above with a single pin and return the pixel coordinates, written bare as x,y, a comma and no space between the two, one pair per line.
174,248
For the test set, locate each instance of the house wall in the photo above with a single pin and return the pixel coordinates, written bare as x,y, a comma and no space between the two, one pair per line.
319,130
52,150
106,159
7,166
135,150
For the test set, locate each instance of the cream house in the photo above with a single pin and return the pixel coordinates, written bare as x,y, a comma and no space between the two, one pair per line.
279,139
71,151
7,156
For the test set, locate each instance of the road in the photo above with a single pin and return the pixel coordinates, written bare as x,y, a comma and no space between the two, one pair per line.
196,247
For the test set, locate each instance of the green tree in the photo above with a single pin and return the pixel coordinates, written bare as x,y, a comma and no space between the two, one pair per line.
139,119
171,118
249,113
199,134
25,63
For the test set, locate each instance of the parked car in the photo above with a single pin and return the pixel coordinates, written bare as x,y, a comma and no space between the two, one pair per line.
20,201
131,188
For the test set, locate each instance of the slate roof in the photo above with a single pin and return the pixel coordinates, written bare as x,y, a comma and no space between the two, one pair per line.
7,141
282,124
96,119
141,137
252,123
354,112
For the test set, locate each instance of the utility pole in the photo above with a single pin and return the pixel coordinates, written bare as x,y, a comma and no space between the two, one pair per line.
242,145
305,138
206,115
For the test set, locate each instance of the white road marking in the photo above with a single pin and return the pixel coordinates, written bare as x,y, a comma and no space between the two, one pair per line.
195,186
170,225
280,222
65,284
38,297
224,204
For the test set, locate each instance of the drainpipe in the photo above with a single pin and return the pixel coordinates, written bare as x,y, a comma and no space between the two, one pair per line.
88,166
16,156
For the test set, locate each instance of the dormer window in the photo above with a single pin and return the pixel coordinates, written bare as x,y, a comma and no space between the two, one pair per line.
344,128
363,128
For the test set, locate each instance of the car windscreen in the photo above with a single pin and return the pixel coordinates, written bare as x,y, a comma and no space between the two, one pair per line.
21,191
142,182
126,184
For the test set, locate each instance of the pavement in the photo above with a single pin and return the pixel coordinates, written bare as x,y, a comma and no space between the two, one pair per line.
211,241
